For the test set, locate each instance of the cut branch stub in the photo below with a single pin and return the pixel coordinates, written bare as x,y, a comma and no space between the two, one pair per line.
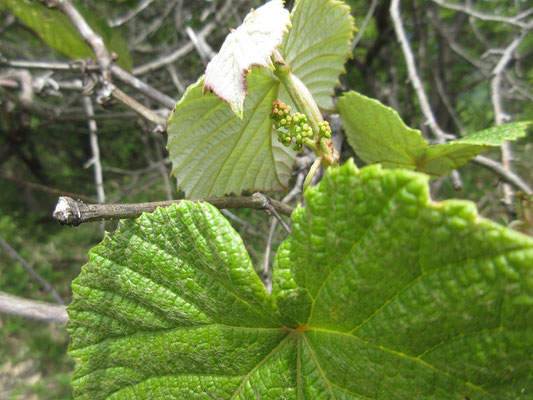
71,212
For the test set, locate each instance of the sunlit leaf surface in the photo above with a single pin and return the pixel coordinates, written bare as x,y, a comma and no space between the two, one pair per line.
378,293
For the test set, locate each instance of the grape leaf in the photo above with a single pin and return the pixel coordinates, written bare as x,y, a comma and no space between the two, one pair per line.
250,44
442,158
318,45
213,152
378,135
377,293
233,155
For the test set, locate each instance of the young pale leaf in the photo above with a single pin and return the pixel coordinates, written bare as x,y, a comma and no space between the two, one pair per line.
318,45
378,293
214,152
378,135
250,44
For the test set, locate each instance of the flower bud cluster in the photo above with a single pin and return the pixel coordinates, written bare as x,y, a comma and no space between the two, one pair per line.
295,126
290,126
324,130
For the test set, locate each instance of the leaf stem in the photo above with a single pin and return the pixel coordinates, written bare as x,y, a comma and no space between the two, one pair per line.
311,144
312,172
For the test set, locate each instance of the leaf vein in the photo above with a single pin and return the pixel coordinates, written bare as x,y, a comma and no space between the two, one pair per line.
259,364
363,236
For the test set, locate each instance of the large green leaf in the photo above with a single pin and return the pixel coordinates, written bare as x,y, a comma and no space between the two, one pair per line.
378,293
55,29
378,135
214,152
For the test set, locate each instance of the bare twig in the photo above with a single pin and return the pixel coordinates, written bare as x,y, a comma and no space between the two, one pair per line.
268,206
519,87
105,61
24,79
266,276
130,14
166,181
439,134
413,74
448,103
67,117
155,24
485,17
43,84
29,269
141,171
173,56
94,40
158,144
178,15
71,212
95,149
367,19
504,173
204,50
456,47
228,214
143,87
48,65
189,46
31,309
173,72
47,189
139,108
296,190
500,117
117,72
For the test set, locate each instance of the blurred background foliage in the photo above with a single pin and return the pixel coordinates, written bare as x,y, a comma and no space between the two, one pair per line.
45,141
